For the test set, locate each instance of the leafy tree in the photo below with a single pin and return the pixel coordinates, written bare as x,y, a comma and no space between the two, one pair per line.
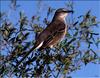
66,57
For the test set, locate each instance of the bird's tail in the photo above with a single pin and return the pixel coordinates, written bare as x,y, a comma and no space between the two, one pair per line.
25,56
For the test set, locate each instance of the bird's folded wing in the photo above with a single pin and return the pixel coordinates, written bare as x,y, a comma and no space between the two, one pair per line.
53,35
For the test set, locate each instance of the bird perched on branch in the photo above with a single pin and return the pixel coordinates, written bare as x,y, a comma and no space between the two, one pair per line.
53,33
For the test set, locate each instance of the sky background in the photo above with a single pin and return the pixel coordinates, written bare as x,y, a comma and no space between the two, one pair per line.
80,8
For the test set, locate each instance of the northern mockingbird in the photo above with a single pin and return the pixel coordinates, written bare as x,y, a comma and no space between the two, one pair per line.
52,34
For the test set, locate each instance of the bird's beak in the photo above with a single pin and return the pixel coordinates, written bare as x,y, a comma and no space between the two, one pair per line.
69,11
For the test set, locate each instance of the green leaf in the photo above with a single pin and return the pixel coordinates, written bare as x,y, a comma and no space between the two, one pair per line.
76,33
20,46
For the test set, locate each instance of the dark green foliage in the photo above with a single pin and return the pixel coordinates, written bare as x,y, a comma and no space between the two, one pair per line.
65,58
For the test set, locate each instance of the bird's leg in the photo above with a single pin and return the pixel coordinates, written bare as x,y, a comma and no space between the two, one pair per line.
48,50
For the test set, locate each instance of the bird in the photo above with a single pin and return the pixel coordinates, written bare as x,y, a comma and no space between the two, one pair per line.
53,33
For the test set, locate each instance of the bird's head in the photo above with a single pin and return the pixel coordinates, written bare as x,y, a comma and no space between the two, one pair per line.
62,12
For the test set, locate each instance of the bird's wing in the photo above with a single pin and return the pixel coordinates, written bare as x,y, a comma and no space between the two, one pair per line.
42,36
55,34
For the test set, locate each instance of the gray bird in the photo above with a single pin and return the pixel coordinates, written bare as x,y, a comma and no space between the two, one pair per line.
52,34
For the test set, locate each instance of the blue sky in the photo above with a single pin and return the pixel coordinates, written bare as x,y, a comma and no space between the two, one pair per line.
80,7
